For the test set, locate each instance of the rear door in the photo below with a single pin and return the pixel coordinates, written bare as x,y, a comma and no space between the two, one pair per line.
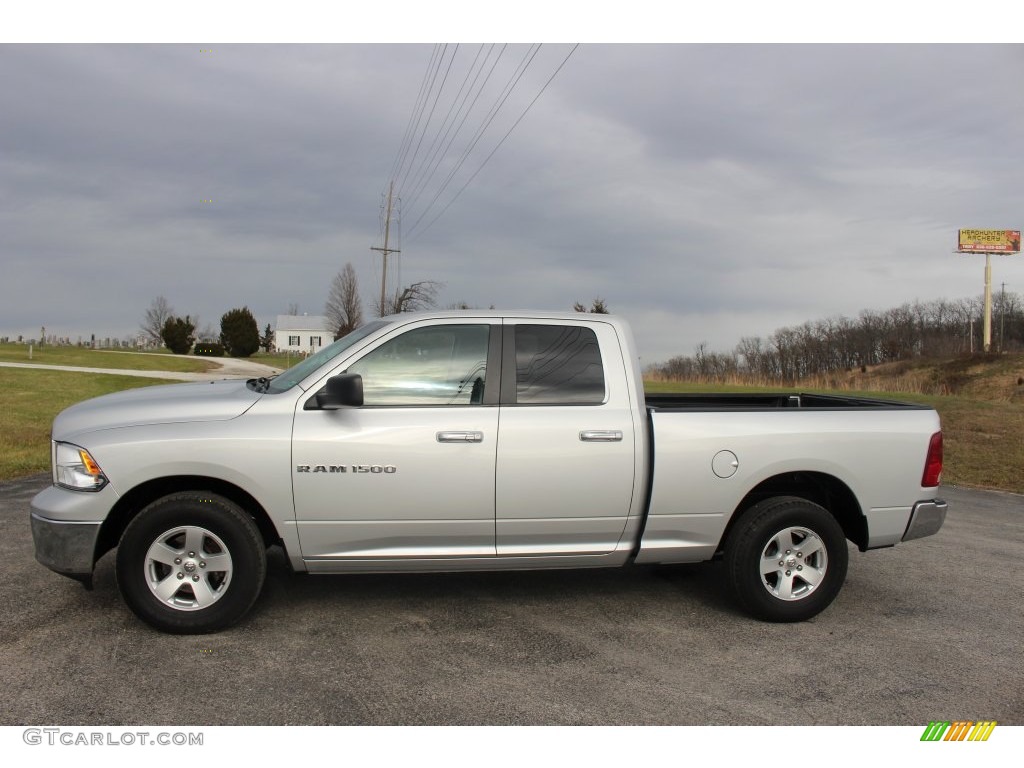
565,462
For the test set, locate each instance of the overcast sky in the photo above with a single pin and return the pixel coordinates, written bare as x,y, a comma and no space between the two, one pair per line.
706,192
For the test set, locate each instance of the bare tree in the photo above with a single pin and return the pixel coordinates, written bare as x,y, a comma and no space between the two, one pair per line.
413,298
156,316
344,309
597,307
293,308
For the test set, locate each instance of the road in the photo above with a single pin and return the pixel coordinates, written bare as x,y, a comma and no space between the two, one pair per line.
230,368
929,630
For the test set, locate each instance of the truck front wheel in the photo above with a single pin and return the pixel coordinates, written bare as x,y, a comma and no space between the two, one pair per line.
786,559
191,563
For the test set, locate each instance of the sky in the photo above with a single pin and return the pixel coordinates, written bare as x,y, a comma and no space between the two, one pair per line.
705,191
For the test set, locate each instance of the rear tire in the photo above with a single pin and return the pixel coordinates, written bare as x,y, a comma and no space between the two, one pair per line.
191,563
786,559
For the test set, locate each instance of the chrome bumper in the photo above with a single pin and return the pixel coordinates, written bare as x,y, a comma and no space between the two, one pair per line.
65,547
926,519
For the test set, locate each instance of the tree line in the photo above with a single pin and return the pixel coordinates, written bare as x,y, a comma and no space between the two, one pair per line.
940,328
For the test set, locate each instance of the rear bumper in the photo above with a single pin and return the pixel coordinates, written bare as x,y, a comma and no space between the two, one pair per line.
927,518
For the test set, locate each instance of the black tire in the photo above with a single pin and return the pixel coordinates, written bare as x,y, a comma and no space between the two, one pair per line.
799,584
191,563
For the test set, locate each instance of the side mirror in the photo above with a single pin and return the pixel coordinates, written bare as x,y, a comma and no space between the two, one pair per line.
342,391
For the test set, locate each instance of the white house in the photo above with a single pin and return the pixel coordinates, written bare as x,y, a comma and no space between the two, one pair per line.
301,333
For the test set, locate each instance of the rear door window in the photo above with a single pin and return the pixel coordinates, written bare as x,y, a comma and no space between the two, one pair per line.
558,365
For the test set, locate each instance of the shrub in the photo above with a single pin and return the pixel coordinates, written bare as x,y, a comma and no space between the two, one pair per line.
239,333
208,349
179,334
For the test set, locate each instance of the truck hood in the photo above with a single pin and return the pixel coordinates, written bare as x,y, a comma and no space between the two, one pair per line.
209,401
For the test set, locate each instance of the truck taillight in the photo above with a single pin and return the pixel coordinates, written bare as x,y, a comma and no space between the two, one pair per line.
933,463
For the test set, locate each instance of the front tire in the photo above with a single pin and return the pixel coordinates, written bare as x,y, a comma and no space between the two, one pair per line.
191,563
786,559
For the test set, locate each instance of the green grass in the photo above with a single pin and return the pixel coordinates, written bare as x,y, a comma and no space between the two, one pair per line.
983,440
278,359
96,358
30,398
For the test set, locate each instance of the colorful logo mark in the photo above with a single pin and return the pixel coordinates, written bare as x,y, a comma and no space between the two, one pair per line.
961,730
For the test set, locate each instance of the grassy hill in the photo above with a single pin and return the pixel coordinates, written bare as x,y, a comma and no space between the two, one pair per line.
978,377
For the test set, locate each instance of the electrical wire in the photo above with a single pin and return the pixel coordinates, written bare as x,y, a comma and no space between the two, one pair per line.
440,90
408,128
430,89
458,130
421,177
413,229
488,119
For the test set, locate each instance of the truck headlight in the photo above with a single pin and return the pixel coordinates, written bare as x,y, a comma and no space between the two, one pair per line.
76,469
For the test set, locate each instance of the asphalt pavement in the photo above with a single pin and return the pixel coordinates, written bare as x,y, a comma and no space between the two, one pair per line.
929,630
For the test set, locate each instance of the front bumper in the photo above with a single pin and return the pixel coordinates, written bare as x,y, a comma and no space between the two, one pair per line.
68,548
65,527
926,519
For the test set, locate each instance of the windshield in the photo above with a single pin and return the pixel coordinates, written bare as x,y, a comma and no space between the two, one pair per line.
285,381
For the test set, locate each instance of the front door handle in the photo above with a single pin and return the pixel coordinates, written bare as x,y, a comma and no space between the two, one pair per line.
460,437
601,436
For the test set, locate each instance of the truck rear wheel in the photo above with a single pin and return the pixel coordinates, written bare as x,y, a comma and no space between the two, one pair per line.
191,563
786,559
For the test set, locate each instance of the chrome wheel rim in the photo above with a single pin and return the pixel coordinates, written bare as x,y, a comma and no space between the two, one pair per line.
793,563
188,568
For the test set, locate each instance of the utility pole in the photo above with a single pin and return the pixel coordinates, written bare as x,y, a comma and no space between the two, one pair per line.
1002,316
385,251
987,327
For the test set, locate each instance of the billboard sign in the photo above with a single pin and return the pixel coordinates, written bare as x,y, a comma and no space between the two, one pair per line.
988,241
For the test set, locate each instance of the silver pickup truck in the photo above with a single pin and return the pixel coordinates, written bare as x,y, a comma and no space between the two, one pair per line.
477,441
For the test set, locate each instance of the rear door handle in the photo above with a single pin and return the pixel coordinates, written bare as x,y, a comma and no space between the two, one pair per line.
460,437
601,436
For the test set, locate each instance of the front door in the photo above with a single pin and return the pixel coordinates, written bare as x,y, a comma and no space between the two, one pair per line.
410,475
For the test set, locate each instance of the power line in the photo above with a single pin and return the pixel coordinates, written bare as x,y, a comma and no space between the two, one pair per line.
430,89
488,119
496,148
412,117
435,146
444,152
430,117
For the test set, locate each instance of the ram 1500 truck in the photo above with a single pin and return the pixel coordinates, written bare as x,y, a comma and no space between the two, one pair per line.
476,441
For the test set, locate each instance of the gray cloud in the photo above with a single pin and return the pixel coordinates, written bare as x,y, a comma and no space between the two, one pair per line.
706,191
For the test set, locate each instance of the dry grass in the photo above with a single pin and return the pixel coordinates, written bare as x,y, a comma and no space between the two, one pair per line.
979,377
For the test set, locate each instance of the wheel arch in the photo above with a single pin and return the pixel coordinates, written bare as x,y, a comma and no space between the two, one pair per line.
135,500
820,488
